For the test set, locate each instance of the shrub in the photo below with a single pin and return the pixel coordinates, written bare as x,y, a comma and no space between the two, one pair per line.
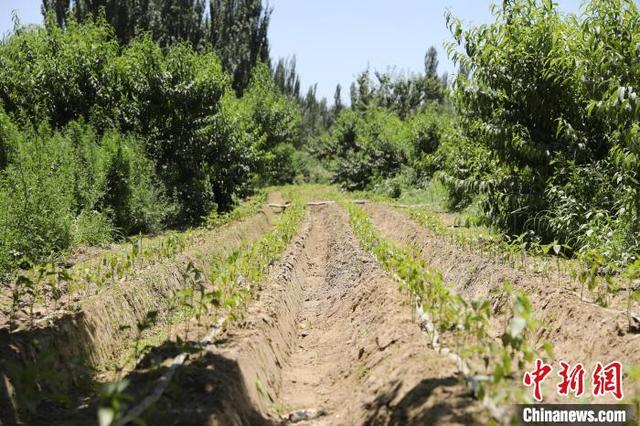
118,193
311,168
513,102
271,120
8,134
132,195
92,228
37,204
281,165
70,187
425,134
367,146
434,136
173,99
176,103
57,75
552,100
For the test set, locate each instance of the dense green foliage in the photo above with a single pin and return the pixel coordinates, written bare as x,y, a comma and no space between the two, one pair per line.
73,186
550,108
382,140
367,146
541,129
315,118
100,140
130,18
235,29
272,121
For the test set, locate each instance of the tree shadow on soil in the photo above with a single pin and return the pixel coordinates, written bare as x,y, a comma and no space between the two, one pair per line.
414,408
40,368
208,389
41,372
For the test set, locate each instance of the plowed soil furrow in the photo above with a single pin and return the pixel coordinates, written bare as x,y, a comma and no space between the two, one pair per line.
360,357
330,334
579,331
95,334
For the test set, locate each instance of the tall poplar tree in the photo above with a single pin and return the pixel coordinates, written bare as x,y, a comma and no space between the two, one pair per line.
236,29
337,101
238,32
431,62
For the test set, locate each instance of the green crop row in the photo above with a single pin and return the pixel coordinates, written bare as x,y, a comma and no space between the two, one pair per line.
590,270
51,282
238,277
230,285
490,364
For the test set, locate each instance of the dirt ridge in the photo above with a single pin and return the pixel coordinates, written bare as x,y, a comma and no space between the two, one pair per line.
67,347
330,334
579,331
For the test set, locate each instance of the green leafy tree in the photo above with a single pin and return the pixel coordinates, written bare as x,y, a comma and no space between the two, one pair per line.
365,148
172,97
272,122
169,21
236,29
238,32
552,99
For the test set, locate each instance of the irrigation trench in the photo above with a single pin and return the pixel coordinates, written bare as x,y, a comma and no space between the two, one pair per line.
330,341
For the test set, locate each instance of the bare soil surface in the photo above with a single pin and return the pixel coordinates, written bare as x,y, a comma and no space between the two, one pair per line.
330,341
579,331
66,344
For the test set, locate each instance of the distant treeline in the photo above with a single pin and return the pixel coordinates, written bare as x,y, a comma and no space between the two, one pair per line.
541,128
235,29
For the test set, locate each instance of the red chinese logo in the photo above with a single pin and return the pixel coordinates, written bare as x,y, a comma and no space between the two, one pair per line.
606,379
572,379
536,377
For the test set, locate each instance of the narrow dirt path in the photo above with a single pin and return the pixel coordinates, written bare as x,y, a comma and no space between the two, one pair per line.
360,358
330,334
307,369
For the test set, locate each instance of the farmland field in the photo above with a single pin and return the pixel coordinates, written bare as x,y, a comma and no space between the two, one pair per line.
186,237
309,321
